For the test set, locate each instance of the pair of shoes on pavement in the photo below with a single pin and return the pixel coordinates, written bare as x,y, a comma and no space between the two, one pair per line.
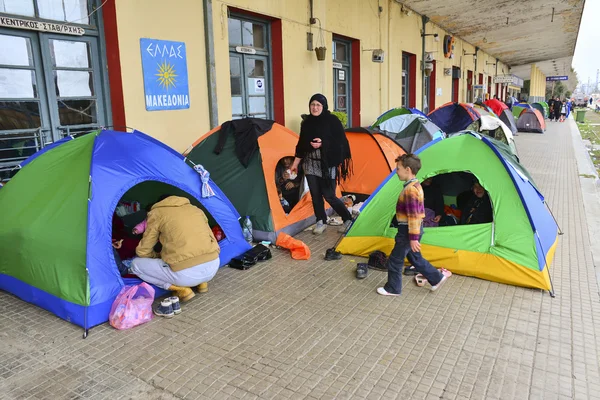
171,305
321,226
445,275
168,307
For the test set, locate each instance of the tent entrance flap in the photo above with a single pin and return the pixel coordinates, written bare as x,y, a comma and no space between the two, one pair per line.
245,187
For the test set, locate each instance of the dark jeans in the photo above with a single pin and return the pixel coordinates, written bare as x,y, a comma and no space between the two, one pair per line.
325,188
396,263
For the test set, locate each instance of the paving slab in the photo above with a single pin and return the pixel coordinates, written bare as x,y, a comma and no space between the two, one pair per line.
309,329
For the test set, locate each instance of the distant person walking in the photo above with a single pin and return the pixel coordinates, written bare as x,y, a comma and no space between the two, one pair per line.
557,108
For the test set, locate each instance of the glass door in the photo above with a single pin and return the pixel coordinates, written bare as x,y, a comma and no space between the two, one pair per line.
405,79
255,73
342,73
72,71
249,68
24,117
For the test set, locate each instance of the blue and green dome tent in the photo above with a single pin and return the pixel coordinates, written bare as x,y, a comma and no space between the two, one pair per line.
394,112
55,234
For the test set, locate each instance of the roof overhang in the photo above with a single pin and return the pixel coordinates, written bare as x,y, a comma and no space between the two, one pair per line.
514,31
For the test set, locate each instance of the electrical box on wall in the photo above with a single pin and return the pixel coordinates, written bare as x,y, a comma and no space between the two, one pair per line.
378,56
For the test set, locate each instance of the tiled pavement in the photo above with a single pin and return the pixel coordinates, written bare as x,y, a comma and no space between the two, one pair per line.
293,329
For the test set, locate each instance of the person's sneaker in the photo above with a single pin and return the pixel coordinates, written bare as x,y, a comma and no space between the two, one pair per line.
175,304
362,270
345,226
446,274
383,292
319,228
165,309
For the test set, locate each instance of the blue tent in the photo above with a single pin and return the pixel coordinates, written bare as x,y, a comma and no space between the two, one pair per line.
454,117
55,238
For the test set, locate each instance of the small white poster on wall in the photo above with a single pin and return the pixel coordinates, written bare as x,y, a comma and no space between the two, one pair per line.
256,85
438,92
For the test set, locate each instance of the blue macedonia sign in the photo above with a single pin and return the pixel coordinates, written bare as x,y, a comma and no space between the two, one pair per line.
165,75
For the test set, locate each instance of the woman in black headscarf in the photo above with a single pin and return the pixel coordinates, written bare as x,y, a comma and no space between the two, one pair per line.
324,152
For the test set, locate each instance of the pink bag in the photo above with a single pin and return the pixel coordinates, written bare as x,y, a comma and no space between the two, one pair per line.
132,307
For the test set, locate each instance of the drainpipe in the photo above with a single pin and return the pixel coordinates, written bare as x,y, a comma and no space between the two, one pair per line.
423,94
499,86
475,74
211,72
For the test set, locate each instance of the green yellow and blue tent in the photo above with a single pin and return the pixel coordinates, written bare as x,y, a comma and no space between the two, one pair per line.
516,248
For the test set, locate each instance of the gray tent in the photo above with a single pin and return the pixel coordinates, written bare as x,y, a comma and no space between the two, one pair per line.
509,119
529,121
411,131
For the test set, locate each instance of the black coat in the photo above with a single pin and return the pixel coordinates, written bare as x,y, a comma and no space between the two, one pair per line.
477,211
335,149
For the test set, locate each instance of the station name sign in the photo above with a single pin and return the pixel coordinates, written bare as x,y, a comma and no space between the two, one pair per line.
41,26
509,79
557,78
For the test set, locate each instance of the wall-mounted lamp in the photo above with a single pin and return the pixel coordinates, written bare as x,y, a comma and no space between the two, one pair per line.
436,37
489,63
470,54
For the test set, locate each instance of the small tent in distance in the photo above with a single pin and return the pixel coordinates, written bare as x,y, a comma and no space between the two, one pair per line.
455,117
411,131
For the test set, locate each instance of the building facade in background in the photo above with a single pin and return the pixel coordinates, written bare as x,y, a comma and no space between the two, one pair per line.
175,70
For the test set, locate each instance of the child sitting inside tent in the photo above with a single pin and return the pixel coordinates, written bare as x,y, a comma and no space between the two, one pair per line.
284,203
476,208
288,183
127,244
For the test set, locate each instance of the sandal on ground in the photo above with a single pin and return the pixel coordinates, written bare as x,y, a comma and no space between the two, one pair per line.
420,280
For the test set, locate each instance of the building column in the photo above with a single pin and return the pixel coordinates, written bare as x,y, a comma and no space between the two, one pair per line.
532,80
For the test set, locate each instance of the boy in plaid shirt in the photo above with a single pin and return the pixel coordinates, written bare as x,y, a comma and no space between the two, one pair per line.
410,212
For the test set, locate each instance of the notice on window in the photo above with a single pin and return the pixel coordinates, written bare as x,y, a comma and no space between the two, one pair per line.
256,85
164,65
341,75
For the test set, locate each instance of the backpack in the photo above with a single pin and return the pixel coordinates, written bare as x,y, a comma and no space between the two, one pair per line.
377,260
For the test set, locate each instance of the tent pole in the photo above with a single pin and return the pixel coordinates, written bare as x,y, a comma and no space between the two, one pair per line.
560,231
85,323
332,249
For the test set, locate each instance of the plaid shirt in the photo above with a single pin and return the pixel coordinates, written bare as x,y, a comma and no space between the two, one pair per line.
410,209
